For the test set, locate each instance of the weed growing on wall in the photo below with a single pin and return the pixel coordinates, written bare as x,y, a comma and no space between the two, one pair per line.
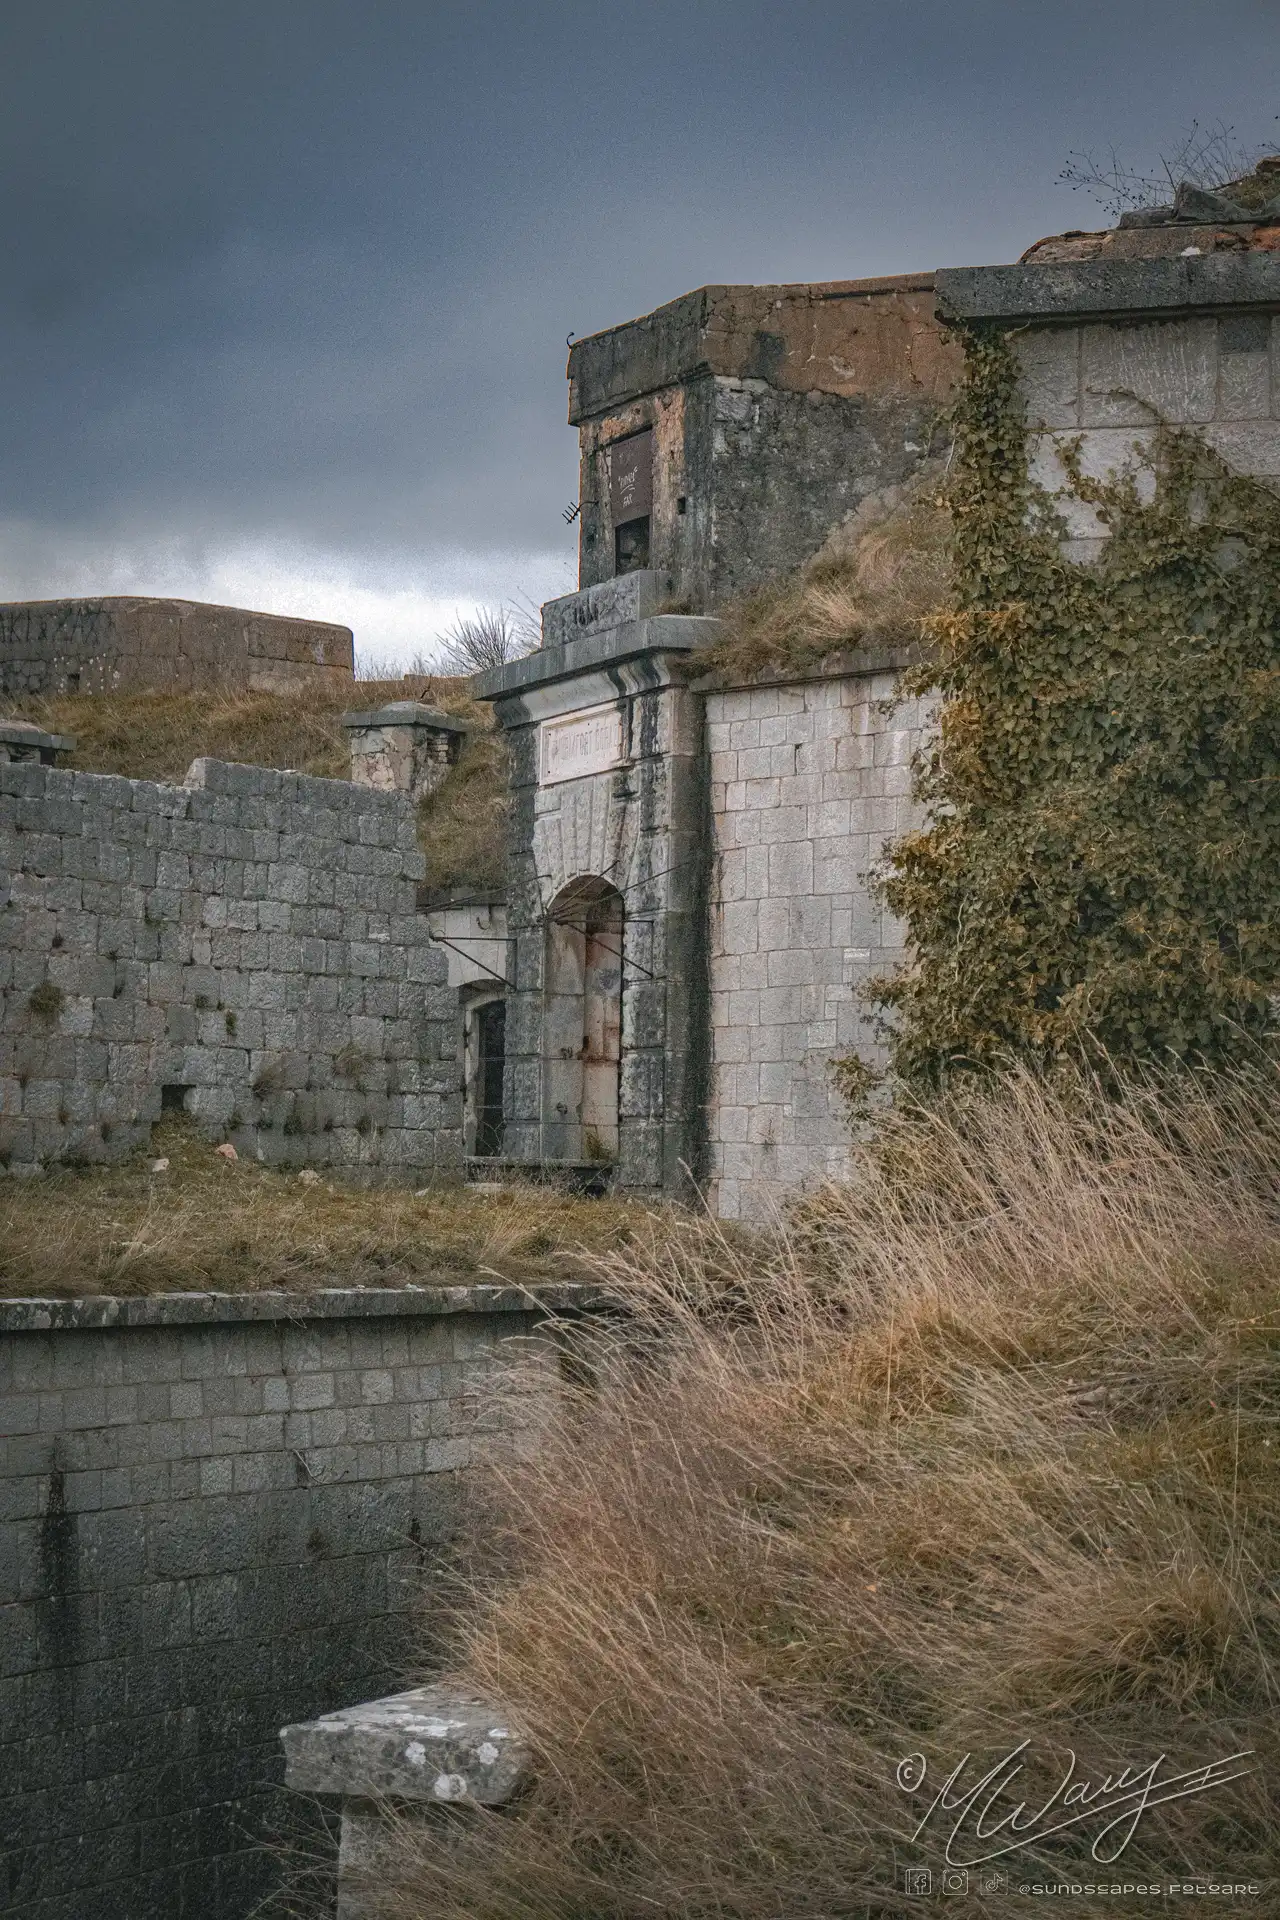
1099,867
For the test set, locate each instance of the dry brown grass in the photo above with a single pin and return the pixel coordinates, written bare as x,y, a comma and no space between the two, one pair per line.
462,826
207,1223
156,736
876,578
985,1451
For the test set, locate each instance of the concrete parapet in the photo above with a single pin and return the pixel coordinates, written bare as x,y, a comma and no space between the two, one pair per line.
128,643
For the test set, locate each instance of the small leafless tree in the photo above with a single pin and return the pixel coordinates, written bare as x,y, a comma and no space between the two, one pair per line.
1208,157
487,638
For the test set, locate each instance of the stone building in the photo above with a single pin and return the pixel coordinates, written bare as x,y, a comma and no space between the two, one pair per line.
724,435
690,919
121,644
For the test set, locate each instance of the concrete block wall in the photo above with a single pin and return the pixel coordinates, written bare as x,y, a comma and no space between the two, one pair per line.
252,938
1107,383
125,642
808,782
218,1515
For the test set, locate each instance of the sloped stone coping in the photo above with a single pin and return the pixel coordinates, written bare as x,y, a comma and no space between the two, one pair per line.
31,740
437,1743
34,1315
408,713
1064,290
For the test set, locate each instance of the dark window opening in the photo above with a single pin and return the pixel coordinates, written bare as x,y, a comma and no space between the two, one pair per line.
173,1099
490,1031
682,504
631,546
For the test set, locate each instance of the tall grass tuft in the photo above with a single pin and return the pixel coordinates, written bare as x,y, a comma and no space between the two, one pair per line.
874,580
984,1450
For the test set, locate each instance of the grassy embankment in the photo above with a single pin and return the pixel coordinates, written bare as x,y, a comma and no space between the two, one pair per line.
202,1222
874,579
986,1452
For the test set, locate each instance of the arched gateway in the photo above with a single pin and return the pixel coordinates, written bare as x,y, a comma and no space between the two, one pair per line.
583,1022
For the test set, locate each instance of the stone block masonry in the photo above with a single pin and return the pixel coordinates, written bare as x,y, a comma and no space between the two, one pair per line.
123,643
1106,350
808,783
217,1515
246,946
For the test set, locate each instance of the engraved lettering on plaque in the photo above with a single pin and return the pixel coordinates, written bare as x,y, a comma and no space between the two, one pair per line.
580,744
631,477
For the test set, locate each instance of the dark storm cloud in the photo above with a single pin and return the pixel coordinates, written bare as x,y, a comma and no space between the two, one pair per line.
303,269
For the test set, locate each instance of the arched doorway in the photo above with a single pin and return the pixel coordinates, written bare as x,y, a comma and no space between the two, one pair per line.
583,1023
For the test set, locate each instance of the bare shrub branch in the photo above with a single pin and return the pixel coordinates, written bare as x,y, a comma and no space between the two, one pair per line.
488,638
1208,156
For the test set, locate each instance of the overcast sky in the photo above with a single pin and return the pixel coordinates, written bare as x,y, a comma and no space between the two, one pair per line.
286,283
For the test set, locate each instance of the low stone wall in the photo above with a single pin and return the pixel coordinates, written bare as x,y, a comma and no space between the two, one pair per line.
217,1513
247,946
124,643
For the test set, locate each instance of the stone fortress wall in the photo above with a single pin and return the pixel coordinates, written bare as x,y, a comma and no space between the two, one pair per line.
220,1514
119,644
1104,356
809,779
246,946
189,1479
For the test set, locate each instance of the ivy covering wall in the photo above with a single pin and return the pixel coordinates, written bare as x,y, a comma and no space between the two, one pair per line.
1101,864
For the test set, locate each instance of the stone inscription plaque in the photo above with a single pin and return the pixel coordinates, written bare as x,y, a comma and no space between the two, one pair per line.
581,743
631,477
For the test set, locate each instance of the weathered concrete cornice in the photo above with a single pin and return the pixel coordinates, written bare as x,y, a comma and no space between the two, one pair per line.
636,640
438,1743
1102,289
724,330
35,1315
